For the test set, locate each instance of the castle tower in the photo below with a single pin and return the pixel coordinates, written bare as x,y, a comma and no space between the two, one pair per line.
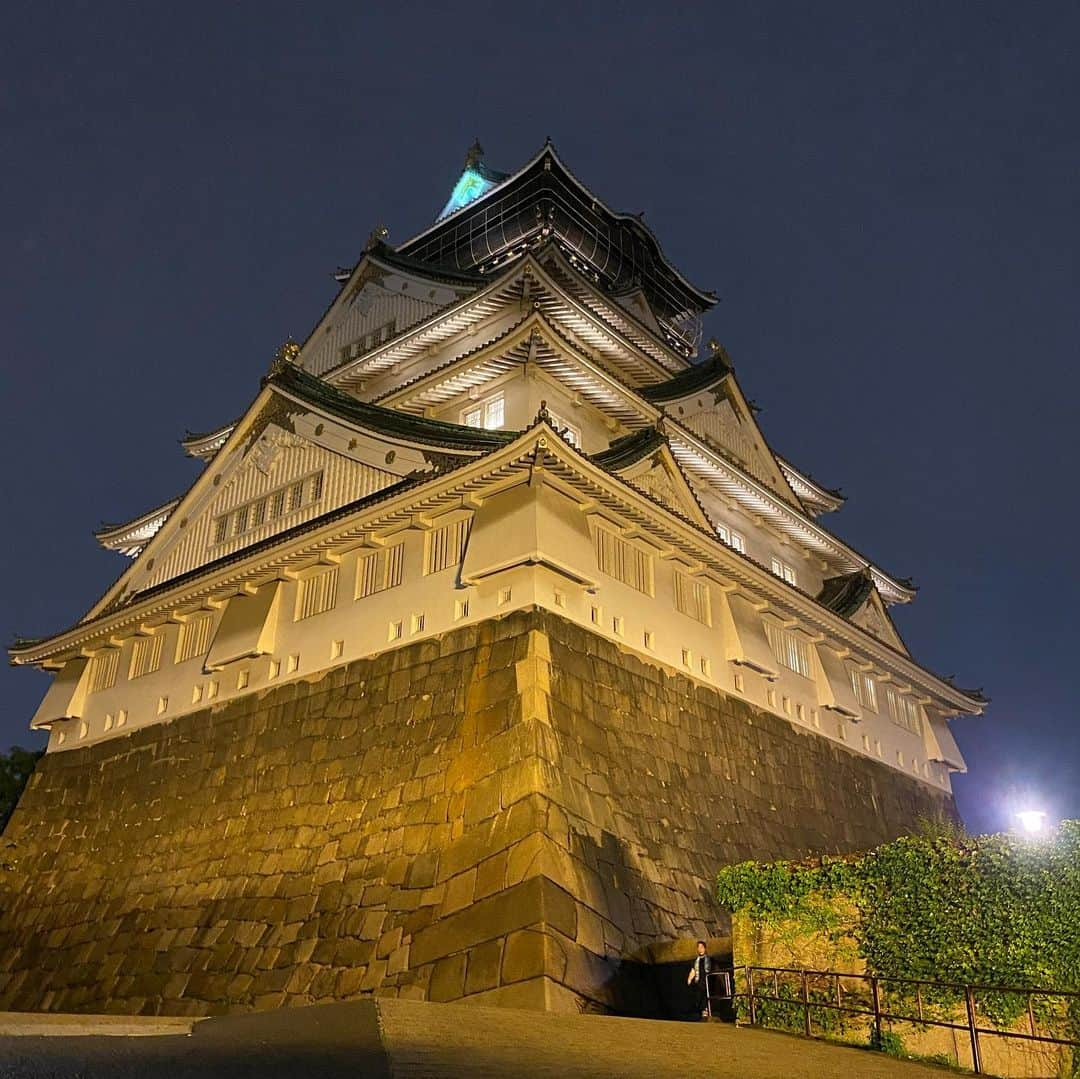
485,635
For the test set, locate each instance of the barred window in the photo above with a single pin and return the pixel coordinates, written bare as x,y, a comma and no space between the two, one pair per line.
446,546
904,711
571,433
622,560
489,414
692,598
380,570
194,638
251,515
789,649
103,668
146,655
378,336
782,569
731,538
316,594
865,689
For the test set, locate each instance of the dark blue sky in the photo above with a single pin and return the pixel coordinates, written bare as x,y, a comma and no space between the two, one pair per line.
884,196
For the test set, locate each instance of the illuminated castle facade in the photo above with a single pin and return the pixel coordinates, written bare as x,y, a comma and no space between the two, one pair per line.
502,422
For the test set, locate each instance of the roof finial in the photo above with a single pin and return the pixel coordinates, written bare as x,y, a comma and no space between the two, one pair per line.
284,358
377,236
475,155
543,414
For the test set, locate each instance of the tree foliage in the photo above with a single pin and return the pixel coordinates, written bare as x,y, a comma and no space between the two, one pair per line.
991,910
16,767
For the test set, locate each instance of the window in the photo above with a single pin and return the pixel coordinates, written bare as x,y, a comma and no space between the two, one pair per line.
162,705
865,689
505,596
622,560
617,625
732,538
292,665
904,711
487,414
395,631
782,569
446,546
336,649
379,570
146,655
705,666
194,638
789,648
103,668
687,658
571,433
365,343
416,623
253,514
243,679
461,609
316,594
692,598
275,668
647,638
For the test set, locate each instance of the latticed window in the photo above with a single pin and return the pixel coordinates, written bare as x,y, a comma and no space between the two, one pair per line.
194,638
446,546
571,433
620,559
904,711
865,689
782,569
316,594
731,538
692,598
380,570
489,414
146,655
257,512
103,668
789,649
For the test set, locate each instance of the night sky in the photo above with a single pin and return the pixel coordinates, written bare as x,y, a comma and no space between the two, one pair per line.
884,196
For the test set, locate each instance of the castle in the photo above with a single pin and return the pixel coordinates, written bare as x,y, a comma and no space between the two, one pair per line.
486,634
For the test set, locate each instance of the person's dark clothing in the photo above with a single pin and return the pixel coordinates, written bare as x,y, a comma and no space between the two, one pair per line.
700,985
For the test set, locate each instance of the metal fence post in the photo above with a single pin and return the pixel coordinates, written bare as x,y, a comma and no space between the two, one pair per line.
877,1011
750,995
973,1030
806,1005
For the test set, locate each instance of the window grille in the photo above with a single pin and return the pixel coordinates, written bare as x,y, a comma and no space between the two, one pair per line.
146,655
103,668
692,598
446,546
251,515
789,649
732,538
379,570
865,689
782,569
316,594
622,560
571,433
905,712
378,336
194,638
489,414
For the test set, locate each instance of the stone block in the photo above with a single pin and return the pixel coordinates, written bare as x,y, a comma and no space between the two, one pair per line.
448,978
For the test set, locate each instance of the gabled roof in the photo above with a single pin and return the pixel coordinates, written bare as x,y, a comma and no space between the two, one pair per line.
630,449
503,216
387,421
477,180
129,537
700,376
847,593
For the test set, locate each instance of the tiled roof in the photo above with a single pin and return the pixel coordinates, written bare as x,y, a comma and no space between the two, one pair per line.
698,377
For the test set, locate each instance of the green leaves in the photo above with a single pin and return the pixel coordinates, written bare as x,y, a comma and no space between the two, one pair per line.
991,910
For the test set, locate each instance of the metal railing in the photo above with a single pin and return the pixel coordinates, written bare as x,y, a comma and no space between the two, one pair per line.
876,996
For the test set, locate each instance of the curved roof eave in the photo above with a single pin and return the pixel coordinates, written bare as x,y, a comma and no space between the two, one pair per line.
707,298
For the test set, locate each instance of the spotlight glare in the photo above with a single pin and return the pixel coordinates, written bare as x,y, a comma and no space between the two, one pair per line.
1032,821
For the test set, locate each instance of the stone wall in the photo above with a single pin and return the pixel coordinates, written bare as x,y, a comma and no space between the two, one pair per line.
517,812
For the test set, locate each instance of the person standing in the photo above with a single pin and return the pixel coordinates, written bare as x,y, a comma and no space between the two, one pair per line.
698,979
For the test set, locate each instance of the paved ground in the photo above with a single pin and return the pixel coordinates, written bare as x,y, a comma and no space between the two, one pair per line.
393,1039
